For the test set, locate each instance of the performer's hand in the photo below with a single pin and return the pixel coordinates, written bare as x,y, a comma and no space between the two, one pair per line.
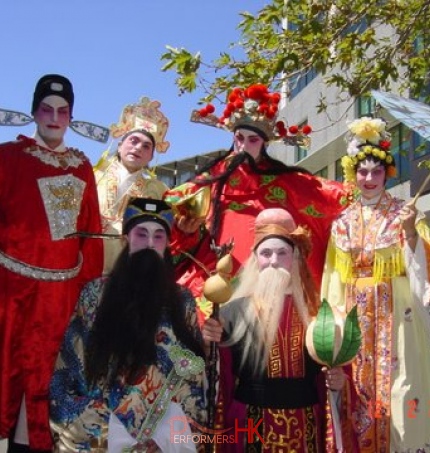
212,331
334,378
407,216
188,225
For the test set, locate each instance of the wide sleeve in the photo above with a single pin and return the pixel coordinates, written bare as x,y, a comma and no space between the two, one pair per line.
332,287
183,244
77,412
418,264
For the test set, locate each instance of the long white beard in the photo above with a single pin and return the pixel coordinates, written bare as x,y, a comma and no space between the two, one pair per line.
265,293
259,324
268,303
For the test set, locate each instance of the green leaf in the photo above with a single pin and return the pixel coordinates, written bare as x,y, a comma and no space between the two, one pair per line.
324,333
351,339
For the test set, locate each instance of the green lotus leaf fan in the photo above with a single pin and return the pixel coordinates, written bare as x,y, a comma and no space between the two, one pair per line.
332,338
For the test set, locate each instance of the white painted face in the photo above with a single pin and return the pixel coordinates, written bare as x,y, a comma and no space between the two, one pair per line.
370,178
248,141
274,252
148,235
52,118
136,151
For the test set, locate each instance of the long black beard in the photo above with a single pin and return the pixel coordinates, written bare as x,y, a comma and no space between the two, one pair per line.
140,289
274,167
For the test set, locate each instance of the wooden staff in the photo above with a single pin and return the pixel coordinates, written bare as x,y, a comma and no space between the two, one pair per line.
420,191
217,289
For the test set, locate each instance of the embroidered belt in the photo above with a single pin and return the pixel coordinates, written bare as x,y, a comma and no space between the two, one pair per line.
39,273
278,393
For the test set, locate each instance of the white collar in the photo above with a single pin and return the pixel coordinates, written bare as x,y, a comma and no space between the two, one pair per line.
60,148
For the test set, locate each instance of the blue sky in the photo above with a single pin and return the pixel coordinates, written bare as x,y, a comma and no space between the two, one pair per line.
111,52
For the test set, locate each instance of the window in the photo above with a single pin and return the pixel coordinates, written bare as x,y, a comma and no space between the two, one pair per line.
323,172
300,151
365,106
400,145
338,171
300,82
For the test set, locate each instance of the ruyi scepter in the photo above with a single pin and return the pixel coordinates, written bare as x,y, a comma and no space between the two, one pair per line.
217,289
333,340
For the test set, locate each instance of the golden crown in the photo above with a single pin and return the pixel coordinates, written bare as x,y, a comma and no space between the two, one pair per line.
143,115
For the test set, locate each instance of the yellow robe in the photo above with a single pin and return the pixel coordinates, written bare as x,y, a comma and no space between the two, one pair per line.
115,187
369,264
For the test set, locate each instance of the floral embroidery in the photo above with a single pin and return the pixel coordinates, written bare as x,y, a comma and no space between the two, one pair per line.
276,195
267,179
311,211
237,206
70,158
234,181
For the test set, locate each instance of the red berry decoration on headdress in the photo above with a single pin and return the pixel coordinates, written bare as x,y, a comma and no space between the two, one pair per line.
293,130
306,129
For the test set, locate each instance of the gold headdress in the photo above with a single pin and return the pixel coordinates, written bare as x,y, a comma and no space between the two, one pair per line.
144,115
256,108
367,137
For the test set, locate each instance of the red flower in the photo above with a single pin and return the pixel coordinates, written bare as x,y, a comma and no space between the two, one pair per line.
384,144
306,129
293,130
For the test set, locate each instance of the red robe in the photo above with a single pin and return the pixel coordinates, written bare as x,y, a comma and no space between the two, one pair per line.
43,196
313,202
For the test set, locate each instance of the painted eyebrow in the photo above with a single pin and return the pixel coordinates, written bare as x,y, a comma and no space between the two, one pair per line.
158,230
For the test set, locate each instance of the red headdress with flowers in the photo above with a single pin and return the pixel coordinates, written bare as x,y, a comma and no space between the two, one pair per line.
255,107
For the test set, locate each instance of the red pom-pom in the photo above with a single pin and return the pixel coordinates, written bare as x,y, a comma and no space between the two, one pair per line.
276,97
306,129
238,103
232,97
293,129
263,108
210,108
203,112
228,109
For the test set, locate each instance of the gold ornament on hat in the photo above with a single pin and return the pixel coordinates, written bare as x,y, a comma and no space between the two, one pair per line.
143,115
